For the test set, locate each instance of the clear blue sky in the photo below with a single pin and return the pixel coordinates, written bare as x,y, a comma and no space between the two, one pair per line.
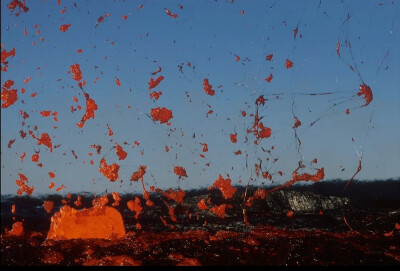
209,35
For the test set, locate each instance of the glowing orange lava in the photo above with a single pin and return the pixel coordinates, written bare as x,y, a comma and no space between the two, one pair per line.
96,222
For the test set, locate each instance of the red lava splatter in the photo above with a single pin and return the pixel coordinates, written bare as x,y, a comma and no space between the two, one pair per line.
52,175
64,27
135,206
337,48
139,174
139,7
233,137
224,185
319,175
170,14
35,158
48,205
347,111
219,210
180,171
22,183
78,201
162,114
124,17
109,171
155,95
45,113
74,154
202,204
295,31
118,82
237,58
91,106
110,132
10,143
157,71
21,6
269,57
25,32
51,185
209,112
297,123
366,91
61,187
290,213
116,198
176,196
97,147
13,209
79,51
207,87
76,72
269,78
16,230
154,83
27,79
358,170
8,84
238,152
120,152
22,157
45,140
288,64
243,113
267,175
8,97
205,147
315,161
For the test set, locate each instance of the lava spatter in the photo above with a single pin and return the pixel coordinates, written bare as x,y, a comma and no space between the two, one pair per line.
139,174
23,187
224,185
76,72
161,114
288,64
366,91
8,96
45,140
176,196
208,88
180,171
109,171
135,206
64,27
91,106
154,83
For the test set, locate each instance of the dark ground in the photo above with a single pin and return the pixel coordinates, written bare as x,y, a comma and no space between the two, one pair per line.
360,226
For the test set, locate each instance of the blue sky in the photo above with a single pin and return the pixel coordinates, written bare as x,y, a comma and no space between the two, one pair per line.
209,35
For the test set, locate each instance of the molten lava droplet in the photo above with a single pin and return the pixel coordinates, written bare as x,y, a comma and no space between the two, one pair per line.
288,64
162,114
366,91
180,171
